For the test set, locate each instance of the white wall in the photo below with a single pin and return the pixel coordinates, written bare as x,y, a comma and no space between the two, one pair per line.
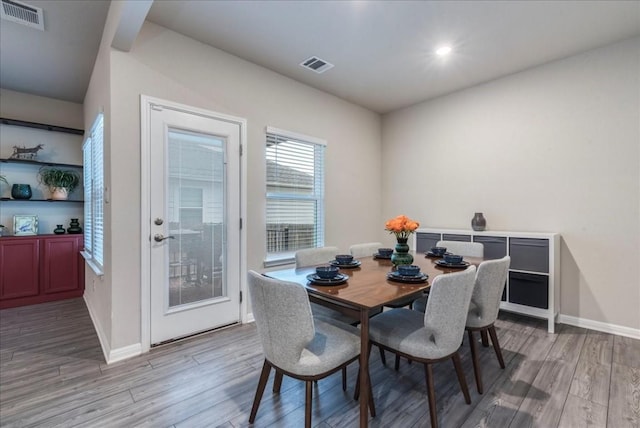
166,65
98,288
555,149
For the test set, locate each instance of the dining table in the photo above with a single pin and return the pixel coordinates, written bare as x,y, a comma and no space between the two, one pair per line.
366,291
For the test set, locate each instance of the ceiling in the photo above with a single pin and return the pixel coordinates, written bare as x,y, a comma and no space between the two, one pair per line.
382,51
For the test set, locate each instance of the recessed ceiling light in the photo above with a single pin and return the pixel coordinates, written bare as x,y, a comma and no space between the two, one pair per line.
443,50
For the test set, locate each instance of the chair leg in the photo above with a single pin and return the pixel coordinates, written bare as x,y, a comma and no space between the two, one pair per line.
474,358
485,339
496,345
463,382
382,357
431,395
344,378
277,381
264,376
307,403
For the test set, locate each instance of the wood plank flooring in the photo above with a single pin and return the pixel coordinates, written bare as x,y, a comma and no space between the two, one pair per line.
52,374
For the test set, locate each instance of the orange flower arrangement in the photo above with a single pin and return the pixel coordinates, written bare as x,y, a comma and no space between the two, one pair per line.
401,226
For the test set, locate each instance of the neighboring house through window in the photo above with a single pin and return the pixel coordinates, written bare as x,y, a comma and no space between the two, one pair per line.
92,153
295,194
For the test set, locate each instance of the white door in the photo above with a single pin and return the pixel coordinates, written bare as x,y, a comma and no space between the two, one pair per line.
195,223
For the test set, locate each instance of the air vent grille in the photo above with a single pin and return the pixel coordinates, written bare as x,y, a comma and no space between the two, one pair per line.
316,64
21,13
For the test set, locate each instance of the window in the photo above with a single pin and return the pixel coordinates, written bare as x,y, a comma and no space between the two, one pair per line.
295,194
92,152
191,208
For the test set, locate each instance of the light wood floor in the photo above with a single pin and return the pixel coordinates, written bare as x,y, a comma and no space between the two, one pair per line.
52,373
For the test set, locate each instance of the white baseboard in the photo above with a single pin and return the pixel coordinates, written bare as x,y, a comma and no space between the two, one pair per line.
102,338
619,330
125,352
111,355
249,318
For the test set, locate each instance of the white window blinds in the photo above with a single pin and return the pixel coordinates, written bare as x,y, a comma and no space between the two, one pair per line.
295,192
94,192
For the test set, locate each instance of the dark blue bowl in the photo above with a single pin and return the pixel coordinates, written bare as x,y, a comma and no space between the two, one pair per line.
409,270
344,259
452,258
385,252
438,251
327,272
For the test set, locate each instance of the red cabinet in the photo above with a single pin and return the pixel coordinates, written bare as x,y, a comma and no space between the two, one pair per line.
37,269
19,268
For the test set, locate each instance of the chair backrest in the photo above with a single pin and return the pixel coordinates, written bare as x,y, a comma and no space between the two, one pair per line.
447,307
364,250
315,256
283,318
485,300
469,249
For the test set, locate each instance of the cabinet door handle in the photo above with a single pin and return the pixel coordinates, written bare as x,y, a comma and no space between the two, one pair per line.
159,238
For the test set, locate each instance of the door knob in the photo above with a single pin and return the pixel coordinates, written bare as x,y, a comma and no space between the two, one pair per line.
159,238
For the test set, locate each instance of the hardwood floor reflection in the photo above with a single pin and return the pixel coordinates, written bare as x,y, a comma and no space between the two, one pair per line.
52,373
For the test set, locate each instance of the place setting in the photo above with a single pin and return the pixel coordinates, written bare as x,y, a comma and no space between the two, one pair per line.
452,261
407,274
345,261
436,252
327,275
383,254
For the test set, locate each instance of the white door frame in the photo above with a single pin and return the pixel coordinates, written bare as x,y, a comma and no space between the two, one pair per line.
146,104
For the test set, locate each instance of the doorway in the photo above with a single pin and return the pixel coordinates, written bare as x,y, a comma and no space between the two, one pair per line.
192,218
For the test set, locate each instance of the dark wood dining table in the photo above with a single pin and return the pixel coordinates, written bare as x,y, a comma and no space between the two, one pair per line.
366,291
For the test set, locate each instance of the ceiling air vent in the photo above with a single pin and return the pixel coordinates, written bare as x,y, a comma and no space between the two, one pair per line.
316,64
21,13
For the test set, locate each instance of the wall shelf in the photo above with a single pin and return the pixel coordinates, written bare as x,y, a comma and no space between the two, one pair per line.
40,200
44,126
35,162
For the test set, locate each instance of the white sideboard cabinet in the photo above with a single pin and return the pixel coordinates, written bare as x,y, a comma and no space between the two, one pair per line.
533,283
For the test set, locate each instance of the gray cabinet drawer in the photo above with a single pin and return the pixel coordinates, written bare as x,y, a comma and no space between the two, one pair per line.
529,289
495,247
529,254
424,241
455,237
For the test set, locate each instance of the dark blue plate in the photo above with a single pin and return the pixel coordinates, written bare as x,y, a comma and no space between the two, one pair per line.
353,264
338,279
381,257
442,263
418,279
434,256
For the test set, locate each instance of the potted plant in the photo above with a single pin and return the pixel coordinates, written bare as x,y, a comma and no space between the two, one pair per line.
61,182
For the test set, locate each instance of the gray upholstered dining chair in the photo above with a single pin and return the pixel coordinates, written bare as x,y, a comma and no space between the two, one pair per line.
433,336
294,342
364,250
484,307
315,256
467,249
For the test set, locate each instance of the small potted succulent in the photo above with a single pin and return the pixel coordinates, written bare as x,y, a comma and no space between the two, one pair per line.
60,182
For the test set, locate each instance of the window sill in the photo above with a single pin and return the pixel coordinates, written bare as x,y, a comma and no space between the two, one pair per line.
95,267
279,260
